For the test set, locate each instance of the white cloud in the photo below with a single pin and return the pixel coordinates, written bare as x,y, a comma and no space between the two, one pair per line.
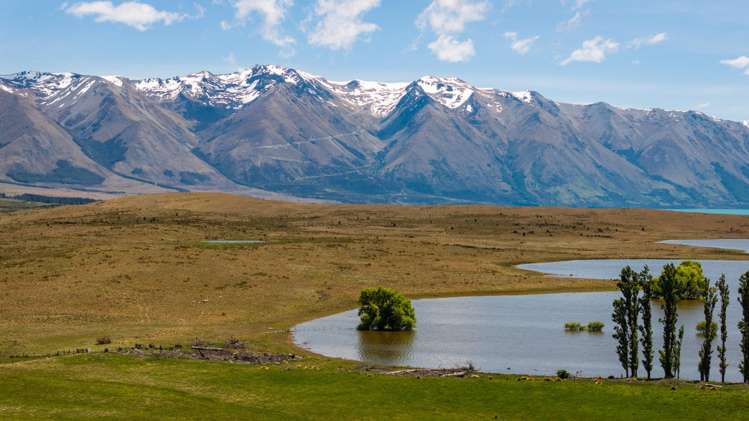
741,63
656,39
575,21
447,48
577,4
593,50
447,19
451,16
140,16
520,45
272,13
341,23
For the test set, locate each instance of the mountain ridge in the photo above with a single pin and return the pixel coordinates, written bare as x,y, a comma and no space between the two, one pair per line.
434,140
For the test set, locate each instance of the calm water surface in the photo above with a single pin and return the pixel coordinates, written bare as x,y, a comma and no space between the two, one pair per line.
737,244
521,334
714,211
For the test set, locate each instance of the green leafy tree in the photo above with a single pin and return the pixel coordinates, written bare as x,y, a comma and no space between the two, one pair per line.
691,280
744,325
709,300
629,285
621,333
724,300
385,309
670,291
646,329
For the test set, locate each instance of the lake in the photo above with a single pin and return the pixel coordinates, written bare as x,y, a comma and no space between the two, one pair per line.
521,334
740,212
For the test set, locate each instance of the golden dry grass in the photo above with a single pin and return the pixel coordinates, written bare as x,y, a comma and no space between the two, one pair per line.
134,269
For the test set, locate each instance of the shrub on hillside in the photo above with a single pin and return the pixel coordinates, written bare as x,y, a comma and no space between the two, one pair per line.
385,309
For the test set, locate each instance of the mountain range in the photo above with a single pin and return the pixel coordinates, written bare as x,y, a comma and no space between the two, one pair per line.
272,131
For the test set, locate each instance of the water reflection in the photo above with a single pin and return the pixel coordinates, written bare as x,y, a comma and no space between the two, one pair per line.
389,348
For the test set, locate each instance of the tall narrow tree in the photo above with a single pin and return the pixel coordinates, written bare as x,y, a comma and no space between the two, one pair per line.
677,352
744,325
629,285
668,287
646,329
619,317
724,299
709,300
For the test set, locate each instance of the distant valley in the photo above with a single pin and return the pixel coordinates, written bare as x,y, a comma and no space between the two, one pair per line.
276,132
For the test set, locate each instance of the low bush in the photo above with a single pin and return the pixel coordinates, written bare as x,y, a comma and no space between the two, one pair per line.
701,328
104,340
595,327
573,327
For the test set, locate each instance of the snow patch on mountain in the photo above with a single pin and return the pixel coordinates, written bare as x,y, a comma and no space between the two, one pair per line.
231,90
745,123
43,84
525,96
450,92
114,80
379,98
52,88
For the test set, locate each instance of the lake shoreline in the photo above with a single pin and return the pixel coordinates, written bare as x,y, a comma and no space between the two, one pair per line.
688,312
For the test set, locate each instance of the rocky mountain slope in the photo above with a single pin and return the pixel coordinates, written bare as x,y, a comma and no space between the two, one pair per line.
434,140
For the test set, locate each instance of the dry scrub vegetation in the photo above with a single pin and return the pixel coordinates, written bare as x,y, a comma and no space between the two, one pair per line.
135,270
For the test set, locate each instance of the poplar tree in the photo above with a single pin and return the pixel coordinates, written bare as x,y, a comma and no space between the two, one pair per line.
646,330
619,317
669,291
744,325
724,300
709,300
629,285
677,353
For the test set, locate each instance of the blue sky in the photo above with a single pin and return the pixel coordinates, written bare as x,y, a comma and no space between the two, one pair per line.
668,54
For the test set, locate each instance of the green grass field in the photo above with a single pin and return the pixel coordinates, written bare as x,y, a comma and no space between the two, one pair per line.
119,387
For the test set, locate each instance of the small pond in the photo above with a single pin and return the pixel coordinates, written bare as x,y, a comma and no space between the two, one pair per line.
232,242
520,334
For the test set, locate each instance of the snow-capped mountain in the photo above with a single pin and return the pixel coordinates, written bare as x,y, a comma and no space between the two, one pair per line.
232,90
235,90
436,139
